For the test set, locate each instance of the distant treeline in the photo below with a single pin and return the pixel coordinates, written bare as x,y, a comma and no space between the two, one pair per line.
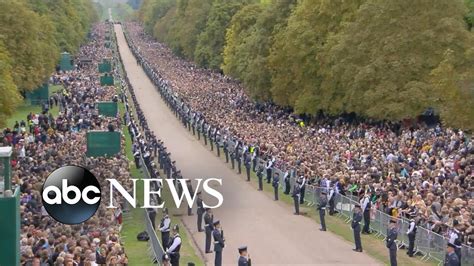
33,33
379,59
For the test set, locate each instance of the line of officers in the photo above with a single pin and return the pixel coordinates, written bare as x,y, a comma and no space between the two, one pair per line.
172,243
212,228
453,248
239,153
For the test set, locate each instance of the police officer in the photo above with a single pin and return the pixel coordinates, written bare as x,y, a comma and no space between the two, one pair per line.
355,225
232,158
204,133
165,228
269,168
411,232
456,238
238,157
244,258
189,185
392,234
174,247
322,210
217,139
286,179
255,152
198,128
211,135
296,197
366,205
302,189
152,215
452,258
200,211
208,225
219,240
226,150
247,164
260,177
275,184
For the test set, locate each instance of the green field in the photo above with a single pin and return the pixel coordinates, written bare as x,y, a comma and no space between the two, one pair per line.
25,108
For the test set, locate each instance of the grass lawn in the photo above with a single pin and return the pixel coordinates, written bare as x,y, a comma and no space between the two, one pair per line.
25,108
372,245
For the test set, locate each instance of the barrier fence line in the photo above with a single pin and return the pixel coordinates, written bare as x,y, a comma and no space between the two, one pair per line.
428,243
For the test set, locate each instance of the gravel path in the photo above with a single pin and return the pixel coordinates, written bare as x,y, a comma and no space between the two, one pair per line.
249,217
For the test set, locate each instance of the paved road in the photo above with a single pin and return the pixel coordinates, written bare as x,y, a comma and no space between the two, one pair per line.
273,234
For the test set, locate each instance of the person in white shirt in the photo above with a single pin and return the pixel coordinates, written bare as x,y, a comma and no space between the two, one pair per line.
175,246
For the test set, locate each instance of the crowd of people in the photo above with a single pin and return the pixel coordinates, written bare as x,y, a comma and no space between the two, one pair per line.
413,171
45,142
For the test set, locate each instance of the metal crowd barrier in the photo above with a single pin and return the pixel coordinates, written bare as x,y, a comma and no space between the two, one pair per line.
428,243
155,247
155,244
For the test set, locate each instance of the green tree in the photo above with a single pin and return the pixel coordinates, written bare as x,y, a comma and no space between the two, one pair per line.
29,40
296,59
10,98
453,93
236,55
470,15
71,19
210,44
379,65
257,77
152,11
190,22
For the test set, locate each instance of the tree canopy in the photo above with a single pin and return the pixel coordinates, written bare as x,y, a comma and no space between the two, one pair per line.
386,60
32,35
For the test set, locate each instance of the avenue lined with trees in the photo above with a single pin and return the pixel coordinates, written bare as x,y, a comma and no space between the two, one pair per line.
383,60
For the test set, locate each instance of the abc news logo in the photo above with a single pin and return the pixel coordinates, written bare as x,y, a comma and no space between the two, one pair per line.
72,194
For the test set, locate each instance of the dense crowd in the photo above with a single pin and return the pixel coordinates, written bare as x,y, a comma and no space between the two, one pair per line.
413,171
45,142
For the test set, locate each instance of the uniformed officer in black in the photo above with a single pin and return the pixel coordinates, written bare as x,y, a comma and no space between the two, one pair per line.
411,233
356,219
219,245
276,184
189,185
238,157
217,139
232,158
452,258
165,225
269,168
208,225
322,210
244,258
198,129
152,215
204,133
392,234
296,197
260,177
174,247
286,179
211,137
247,164
200,211
226,150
